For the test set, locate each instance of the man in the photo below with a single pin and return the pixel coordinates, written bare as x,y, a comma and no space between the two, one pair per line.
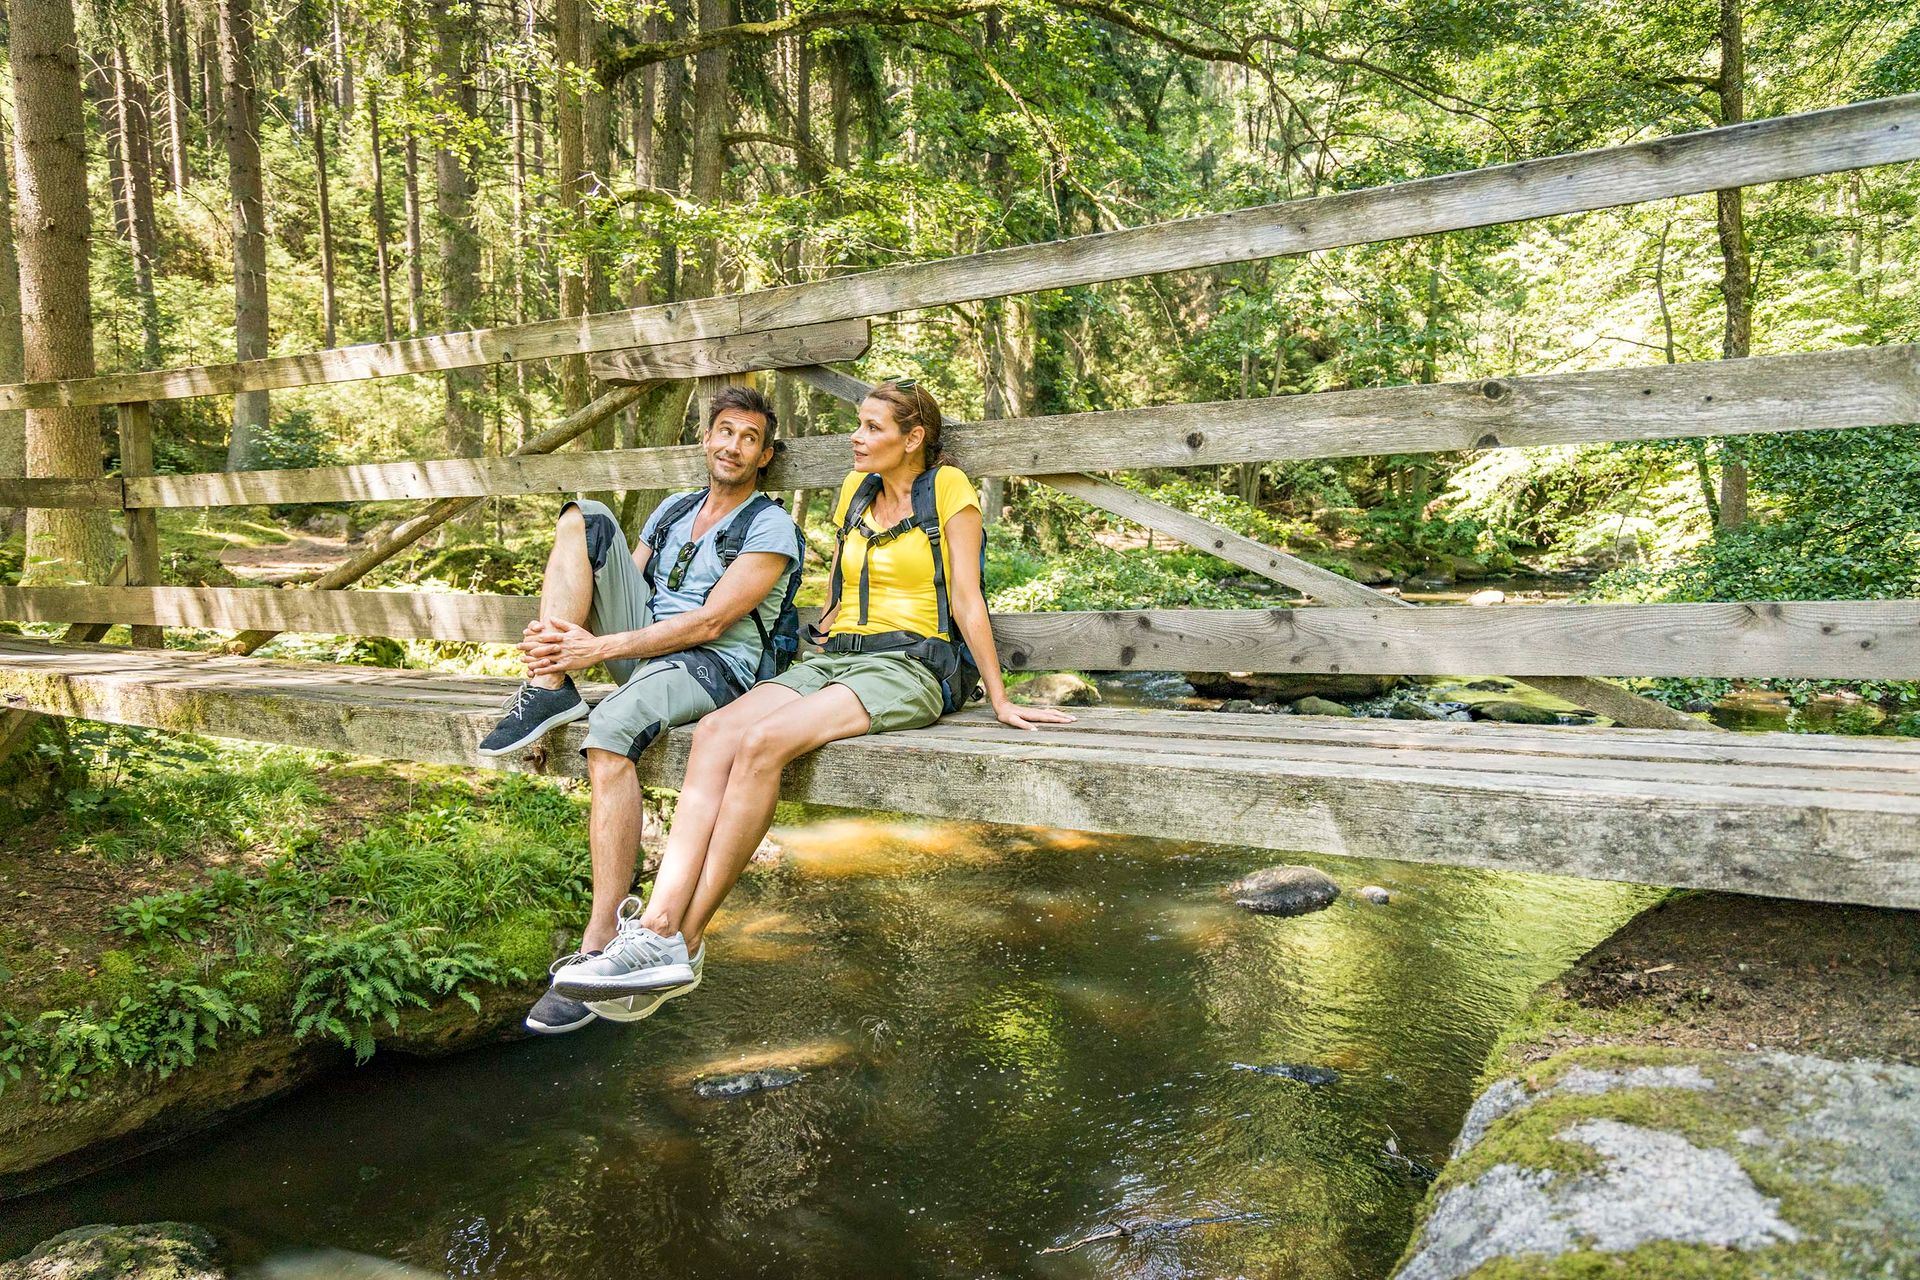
682,621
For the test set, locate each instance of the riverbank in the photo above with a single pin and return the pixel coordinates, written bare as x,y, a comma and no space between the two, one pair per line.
1728,1086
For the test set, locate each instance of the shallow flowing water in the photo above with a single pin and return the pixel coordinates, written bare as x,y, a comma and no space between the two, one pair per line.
1008,1041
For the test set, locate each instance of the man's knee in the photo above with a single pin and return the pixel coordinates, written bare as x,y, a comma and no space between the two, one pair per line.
593,522
605,765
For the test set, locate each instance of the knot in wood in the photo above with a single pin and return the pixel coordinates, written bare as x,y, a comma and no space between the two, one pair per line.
1493,389
1195,439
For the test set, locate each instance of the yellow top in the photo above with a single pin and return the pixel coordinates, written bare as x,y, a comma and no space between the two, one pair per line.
900,579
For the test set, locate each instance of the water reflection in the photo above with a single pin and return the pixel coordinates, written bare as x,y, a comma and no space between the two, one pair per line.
1011,1041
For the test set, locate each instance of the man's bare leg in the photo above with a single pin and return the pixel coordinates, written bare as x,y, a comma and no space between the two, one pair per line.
753,788
614,837
715,740
566,589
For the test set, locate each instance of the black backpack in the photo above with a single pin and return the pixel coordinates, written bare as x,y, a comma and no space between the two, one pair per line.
950,660
779,647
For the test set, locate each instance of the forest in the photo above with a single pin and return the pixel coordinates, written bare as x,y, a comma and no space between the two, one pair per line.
266,179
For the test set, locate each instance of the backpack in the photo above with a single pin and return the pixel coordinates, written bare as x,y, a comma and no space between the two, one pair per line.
778,647
950,660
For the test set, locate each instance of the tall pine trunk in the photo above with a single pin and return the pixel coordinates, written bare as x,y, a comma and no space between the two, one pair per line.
453,207
13,423
568,56
710,119
1736,278
383,261
56,319
329,296
173,35
410,191
250,408
131,107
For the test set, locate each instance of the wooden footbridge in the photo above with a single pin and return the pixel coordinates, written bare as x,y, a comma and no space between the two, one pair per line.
1661,799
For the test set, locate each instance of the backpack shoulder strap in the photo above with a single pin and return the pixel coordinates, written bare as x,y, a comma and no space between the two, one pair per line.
926,514
733,539
863,496
670,514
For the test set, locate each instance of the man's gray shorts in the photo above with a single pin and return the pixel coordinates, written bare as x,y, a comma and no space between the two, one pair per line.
656,694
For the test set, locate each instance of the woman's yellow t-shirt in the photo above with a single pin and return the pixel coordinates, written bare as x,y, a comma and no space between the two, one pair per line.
900,577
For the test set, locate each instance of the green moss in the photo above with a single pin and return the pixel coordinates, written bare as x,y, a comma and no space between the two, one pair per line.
1551,1016
522,941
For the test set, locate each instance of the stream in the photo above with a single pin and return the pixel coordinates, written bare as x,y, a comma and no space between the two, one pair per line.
1006,1041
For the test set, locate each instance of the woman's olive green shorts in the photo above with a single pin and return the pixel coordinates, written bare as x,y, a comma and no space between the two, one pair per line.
897,691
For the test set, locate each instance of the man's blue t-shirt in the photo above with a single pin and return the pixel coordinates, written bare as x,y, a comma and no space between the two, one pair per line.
773,530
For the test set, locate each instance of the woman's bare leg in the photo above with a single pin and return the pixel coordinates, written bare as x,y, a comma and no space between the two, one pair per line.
753,788
716,738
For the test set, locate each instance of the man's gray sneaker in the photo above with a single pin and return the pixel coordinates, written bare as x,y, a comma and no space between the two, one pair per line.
637,962
634,1008
554,1014
531,711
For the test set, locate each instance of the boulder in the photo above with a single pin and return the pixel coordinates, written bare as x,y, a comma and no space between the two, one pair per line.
1843,712
1503,712
1259,686
1284,891
1413,711
1060,689
1490,686
143,1251
1321,707
1375,894
1492,595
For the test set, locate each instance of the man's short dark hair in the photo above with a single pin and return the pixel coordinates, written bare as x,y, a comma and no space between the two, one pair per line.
746,399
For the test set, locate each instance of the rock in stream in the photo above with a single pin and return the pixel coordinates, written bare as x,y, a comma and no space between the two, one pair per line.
1284,891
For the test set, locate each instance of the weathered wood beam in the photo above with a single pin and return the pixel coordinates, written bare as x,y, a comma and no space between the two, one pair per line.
375,554
1850,639
143,524
1869,386
1786,815
15,725
1851,137
709,357
60,493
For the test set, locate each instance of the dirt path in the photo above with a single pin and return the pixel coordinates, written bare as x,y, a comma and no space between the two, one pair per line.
304,558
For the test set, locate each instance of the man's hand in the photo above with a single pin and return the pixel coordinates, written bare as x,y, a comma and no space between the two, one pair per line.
556,646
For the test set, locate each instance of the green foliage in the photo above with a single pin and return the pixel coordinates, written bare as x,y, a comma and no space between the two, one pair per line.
1103,579
159,1029
352,981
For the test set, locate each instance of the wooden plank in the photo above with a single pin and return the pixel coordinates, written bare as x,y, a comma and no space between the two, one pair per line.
1864,134
1869,386
143,528
1709,831
365,561
1849,639
60,493
775,349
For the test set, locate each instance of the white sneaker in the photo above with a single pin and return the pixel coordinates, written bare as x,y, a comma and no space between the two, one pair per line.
634,1008
638,962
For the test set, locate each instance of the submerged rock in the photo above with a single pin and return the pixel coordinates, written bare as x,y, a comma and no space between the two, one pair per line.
1375,894
1413,711
1752,709
1512,713
143,1251
1284,891
1303,1072
1060,689
746,1082
1321,707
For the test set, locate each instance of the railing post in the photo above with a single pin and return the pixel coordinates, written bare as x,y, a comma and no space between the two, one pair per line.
143,523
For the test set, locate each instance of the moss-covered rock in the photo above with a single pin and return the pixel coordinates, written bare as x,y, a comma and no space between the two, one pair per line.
144,1251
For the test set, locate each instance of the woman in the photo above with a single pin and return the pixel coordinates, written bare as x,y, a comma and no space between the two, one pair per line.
889,646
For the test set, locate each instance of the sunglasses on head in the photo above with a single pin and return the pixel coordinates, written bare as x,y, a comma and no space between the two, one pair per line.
678,574
904,384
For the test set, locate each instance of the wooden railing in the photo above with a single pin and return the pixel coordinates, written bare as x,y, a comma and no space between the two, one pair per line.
800,328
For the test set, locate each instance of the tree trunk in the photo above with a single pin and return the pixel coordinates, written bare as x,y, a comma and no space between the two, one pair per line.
55,299
1736,279
459,244
130,102
383,262
416,279
250,408
343,89
213,91
100,89
13,423
670,154
710,121
517,206
173,34
329,297
571,184
842,106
